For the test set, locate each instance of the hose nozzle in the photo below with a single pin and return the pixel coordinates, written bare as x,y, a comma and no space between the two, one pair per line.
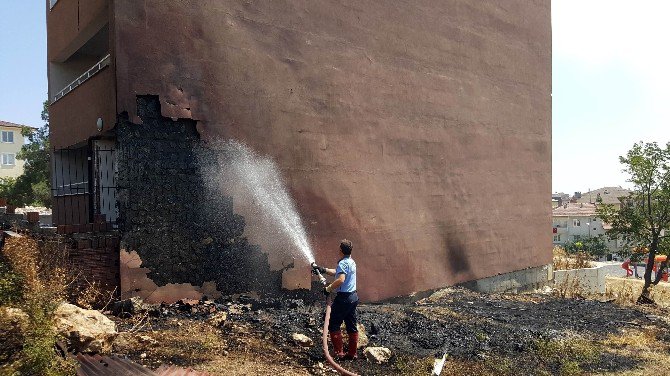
316,272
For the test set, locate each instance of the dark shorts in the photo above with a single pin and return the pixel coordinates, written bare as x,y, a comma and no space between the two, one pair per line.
344,310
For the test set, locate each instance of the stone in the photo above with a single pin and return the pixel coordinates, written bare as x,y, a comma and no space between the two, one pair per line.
362,335
86,331
302,340
15,316
218,319
130,306
377,354
147,340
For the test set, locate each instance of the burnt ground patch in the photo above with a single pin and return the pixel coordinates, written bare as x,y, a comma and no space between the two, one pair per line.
533,334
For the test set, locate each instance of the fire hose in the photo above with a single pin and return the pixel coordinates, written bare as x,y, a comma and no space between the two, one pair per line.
440,357
324,338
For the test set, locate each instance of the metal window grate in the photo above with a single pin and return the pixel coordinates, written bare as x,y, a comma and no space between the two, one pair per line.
83,184
84,77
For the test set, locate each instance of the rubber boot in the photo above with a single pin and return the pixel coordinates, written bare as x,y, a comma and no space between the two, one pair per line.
352,354
338,344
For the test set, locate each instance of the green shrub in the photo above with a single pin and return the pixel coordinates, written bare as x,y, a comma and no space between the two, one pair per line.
11,285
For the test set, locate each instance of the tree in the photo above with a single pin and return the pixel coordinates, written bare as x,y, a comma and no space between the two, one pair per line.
594,246
33,186
645,213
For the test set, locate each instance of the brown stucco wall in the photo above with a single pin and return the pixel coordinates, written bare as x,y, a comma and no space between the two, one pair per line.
71,23
420,130
74,116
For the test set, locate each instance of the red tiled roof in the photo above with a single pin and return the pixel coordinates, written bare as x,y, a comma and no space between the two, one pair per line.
12,125
575,210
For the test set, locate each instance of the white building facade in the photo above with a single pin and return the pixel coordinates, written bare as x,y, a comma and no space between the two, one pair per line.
575,221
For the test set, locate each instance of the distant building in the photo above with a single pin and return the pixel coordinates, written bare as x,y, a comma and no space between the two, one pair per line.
575,221
10,145
605,195
557,199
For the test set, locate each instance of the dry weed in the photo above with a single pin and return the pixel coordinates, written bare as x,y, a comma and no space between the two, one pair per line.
564,261
569,288
43,285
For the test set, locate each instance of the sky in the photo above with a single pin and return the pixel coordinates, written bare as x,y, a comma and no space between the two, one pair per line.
611,81
23,61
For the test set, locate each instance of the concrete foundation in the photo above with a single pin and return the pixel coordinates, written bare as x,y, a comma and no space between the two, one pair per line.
589,280
521,280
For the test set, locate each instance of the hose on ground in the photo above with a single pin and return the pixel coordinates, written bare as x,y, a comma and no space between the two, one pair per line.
329,358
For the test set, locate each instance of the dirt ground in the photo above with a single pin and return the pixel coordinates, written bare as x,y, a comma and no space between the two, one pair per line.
502,334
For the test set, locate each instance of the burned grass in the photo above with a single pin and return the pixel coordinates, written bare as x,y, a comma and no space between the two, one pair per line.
532,334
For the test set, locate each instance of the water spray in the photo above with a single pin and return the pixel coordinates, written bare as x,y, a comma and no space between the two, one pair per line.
256,180
259,179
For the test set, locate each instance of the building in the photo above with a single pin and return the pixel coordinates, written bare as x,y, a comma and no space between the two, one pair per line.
11,142
392,126
575,221
605,195
557,199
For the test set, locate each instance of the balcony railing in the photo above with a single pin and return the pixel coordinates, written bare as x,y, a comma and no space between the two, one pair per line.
81,79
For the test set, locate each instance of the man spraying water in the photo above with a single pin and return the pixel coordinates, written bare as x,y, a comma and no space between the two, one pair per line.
345,302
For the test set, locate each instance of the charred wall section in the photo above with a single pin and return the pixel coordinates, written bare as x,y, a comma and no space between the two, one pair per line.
181,231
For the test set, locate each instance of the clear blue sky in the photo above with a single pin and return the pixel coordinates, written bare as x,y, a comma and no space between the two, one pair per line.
23,61
611,81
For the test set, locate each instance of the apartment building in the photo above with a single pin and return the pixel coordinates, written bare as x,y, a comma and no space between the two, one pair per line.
11,142
393,126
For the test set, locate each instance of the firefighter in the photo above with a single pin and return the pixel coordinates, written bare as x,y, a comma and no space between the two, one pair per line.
344,305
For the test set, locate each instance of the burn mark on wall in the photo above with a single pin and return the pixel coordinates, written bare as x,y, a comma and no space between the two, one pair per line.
182,232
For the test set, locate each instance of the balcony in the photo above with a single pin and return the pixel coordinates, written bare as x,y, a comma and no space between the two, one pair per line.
95,69
85,103
70,23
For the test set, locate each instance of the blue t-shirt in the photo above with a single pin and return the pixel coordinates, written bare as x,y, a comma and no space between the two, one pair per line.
347,266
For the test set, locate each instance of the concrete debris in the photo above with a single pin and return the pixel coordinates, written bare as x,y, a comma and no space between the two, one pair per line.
86,331
377,354
218,319
302,340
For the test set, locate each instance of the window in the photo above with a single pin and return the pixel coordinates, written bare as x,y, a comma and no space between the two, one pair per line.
576,222
557,238
8,159
8,137
576,237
